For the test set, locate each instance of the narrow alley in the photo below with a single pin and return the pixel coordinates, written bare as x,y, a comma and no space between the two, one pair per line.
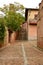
21,53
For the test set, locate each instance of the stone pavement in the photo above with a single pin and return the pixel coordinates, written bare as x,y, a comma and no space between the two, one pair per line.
21,53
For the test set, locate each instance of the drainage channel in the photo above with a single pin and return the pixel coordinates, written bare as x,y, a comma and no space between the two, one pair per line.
24,54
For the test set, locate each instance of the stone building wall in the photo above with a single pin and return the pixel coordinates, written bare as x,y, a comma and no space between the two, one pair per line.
40,26
23,33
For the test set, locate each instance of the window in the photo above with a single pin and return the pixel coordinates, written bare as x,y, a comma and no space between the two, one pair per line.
35,16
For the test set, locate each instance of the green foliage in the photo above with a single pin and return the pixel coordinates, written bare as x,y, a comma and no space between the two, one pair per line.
13,20
20,18
14,7
2,30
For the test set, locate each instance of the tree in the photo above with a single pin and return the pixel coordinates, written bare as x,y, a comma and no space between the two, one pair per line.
14,20
12,7
12,16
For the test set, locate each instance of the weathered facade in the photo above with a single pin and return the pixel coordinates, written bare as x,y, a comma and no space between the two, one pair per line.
40,26
31,17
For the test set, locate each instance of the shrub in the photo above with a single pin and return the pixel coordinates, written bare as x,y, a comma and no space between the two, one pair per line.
2,30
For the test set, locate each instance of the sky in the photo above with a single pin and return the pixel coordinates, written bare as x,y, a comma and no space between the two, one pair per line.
26,3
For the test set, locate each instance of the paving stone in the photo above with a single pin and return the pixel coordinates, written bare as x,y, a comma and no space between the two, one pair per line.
13,54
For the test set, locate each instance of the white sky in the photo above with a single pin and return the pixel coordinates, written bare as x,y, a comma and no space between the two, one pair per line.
26,3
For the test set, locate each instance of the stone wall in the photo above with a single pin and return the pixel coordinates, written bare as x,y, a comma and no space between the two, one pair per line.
6,39
40,26
23,33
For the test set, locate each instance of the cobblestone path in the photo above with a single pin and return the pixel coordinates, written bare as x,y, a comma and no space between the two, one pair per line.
21,53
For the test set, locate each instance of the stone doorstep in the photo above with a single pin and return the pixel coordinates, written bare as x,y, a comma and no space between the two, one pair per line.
32,38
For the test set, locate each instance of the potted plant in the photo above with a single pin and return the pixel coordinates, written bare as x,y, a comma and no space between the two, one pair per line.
2,32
